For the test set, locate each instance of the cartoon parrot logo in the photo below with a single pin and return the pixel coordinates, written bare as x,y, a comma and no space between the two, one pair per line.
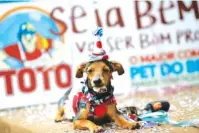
31,47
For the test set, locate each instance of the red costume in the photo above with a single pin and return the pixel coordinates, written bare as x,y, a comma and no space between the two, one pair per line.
99,110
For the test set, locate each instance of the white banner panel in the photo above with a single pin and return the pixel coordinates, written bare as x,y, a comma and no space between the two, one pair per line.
35,61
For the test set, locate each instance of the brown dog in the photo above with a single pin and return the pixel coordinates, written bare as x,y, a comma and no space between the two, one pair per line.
98,84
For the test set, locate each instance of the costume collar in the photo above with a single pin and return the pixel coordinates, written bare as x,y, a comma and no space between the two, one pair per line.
97,99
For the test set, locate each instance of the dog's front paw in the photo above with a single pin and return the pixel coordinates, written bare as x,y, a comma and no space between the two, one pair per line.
58,119
132,125
135,125
97,129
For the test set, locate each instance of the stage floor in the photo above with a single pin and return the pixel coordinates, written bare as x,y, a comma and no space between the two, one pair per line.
40,119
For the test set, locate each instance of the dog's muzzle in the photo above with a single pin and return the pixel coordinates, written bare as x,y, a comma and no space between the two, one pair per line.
97,81
100,89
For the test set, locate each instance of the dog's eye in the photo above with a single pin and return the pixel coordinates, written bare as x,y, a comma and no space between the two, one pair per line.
90,71
106,70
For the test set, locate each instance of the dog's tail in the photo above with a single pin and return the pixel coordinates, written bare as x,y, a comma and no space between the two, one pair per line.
62,100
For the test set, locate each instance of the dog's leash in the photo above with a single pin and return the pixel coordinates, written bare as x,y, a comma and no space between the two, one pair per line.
62,100
161,117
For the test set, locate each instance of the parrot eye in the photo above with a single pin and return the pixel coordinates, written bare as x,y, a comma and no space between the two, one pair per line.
23,27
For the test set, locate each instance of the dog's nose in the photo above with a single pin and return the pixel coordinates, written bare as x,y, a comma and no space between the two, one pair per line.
97,81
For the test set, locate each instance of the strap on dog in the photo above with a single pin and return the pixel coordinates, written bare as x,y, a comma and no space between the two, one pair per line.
108,63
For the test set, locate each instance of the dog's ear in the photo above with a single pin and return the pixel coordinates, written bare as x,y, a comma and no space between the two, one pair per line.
80,70
117,67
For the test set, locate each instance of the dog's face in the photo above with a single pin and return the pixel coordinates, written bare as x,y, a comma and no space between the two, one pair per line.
99,74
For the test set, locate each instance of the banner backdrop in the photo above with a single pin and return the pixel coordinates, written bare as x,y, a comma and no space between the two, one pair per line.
156,42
